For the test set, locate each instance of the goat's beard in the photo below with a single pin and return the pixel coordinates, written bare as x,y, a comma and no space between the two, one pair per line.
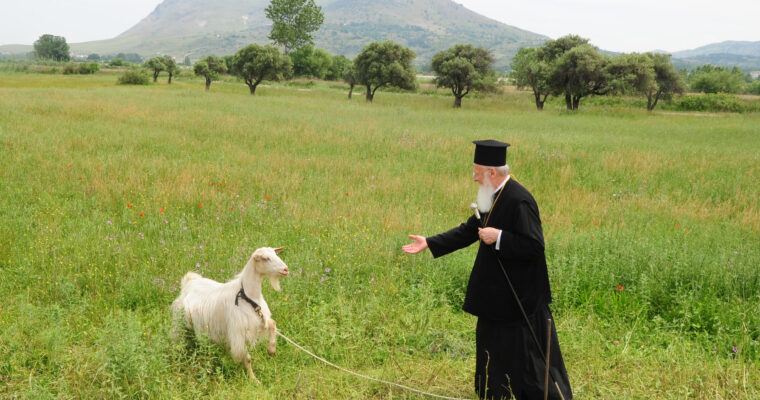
485,196
275,283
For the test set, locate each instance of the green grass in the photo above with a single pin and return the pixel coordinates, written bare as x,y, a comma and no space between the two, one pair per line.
665,205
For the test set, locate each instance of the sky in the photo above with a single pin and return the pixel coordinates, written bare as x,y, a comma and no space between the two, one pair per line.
624,26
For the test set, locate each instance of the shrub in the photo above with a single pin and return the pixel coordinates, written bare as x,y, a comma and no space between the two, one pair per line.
69,69
134,77
88,68
711,102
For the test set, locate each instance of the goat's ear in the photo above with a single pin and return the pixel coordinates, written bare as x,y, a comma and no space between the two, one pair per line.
260,257
279,249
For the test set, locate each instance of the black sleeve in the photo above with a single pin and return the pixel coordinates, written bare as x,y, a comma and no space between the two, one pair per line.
452,240
524,240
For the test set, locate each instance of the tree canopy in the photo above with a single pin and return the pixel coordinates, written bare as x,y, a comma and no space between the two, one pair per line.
385,64
52,47
255,63
294,22
311,62
463,68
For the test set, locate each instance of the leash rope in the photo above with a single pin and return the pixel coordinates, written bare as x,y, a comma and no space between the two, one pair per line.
338,367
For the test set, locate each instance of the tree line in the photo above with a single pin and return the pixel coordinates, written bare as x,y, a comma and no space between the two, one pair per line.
568,67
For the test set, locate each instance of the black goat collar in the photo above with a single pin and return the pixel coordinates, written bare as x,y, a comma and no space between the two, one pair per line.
256,306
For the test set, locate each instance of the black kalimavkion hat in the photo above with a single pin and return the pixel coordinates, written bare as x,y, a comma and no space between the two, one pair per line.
490,153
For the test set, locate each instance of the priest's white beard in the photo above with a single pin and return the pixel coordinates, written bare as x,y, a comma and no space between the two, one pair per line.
485,196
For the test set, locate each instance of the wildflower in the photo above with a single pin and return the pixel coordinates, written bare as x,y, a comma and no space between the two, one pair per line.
678,226
141,214
734,349
596,222
715,347
266,197
616,343
200,205
322,279
620,288
327,270
69,165
230,208
197,265
161,210
346,194
109,222
129,205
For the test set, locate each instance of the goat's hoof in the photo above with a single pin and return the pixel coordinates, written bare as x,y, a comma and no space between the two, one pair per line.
271,350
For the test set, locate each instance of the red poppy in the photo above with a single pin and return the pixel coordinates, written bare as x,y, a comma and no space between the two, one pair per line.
266,197
596,222
230,208
212,183
678,226
81,177
620,287
346,194
686,230
129,205
200,205
141,214
162,210
69,165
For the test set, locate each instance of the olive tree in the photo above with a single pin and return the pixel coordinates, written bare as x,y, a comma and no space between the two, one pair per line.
52,47
255,63
528,70
155,65
209,67
385,64
463,68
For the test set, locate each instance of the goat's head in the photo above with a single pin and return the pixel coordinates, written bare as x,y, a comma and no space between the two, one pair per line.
266,262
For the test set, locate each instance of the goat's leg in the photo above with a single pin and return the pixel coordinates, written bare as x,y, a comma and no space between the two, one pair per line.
240,354
271,348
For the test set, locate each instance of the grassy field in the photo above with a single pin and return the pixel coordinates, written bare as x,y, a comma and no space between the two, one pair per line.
111,193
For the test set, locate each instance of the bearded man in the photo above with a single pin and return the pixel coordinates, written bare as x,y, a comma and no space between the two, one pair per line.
509,362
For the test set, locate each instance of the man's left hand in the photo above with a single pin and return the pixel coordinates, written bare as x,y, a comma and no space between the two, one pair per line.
488,235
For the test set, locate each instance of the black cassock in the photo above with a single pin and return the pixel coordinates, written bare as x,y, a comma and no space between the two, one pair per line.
507,359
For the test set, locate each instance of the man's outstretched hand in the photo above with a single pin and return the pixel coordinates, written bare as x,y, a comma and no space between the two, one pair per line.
420,244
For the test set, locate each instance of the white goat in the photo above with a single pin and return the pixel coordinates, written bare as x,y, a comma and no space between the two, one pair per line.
233,313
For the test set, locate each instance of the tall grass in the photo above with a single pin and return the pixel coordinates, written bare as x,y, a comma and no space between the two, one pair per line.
111,193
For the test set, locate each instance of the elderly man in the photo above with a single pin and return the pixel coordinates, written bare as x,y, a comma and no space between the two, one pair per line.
509,358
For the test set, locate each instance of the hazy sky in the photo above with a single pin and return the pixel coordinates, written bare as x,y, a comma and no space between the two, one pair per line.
639,25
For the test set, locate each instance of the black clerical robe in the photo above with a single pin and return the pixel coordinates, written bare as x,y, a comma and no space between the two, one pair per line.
507,360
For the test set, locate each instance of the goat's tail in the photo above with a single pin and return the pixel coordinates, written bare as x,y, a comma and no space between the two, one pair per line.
189,277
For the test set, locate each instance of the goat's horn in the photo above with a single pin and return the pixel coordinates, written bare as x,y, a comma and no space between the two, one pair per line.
279,249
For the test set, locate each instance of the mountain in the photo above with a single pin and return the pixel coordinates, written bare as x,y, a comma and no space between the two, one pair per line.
727,47
199,27
745,55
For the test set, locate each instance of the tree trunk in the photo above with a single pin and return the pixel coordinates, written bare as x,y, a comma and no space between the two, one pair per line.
568,101
539,103
576,102
651,105
253,88
155,77
208,84
350,91
170,78
370,94
458,101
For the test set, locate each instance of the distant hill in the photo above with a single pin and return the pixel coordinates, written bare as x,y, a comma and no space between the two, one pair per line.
751,49
745,55
199,27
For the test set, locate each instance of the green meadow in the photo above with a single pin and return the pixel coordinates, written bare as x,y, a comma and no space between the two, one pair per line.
109,194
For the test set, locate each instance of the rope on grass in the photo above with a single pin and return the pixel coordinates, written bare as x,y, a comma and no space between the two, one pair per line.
365,376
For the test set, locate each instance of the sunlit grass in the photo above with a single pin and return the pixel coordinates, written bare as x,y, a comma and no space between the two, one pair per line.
111,193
